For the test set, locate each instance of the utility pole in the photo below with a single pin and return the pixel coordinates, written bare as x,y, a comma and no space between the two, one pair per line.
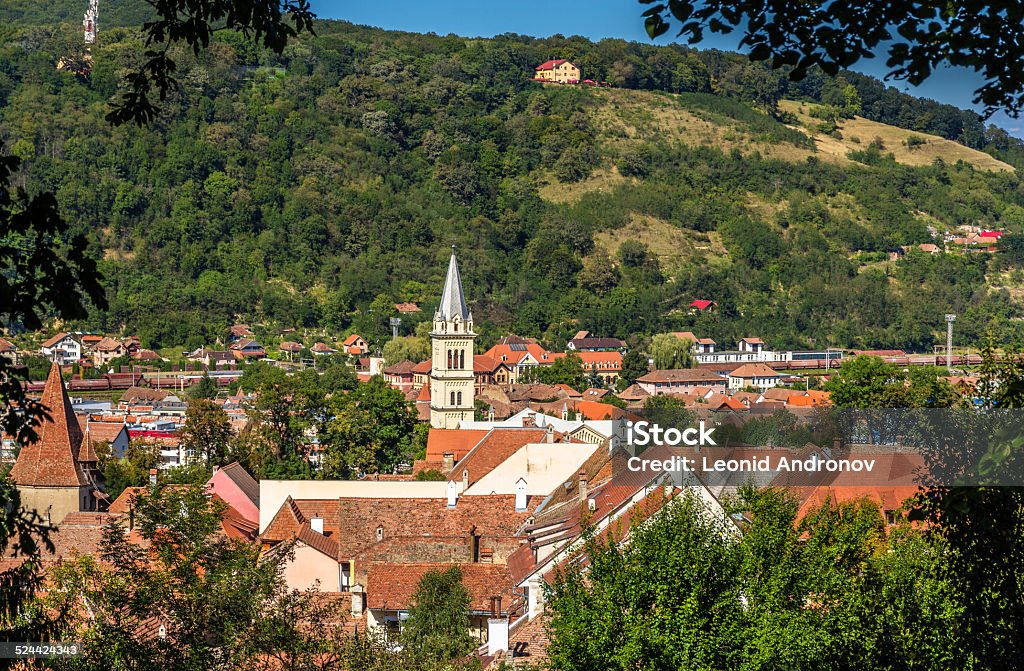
949,342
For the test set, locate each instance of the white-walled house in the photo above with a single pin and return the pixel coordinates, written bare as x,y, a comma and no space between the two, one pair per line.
63,348
756,375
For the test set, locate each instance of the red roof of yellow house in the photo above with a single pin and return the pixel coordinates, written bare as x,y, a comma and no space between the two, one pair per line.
550,65
601,360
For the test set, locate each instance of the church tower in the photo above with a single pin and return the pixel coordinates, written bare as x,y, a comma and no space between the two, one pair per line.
451,369
56,474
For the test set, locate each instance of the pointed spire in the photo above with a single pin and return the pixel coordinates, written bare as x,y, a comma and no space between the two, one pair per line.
52,460
453,302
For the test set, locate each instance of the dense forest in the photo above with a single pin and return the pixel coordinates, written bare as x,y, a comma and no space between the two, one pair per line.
319,187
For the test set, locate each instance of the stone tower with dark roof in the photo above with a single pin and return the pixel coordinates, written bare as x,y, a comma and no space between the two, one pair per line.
48,472
451,342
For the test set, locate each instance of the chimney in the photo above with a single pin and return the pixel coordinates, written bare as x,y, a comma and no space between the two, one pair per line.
490,413
583,486
357,601
316,523
453,494
152,477
836,444
465,479
565,411
448,461
520,495
496,606
497,635
530,419
549,435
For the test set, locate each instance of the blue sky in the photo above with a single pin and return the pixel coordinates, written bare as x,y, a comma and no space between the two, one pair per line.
594,19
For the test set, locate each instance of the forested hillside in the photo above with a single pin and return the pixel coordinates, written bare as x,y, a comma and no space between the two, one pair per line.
320,187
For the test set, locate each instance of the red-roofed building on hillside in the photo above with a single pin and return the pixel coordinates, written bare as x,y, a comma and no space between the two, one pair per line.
321,349
8,350
63,348
55,475
701,305
559,71
354,345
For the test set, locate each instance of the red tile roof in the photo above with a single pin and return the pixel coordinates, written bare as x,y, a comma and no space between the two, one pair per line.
595,410
485,364
52,461
498,445
550,65
351,339
403,367
701,304
682,375
456,441
513,353
56,339
391,586
601,360
752,370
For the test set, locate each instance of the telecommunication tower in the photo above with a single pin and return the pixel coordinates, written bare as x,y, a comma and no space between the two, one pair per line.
89,23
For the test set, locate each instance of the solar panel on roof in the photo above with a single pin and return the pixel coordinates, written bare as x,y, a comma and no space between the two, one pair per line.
517,347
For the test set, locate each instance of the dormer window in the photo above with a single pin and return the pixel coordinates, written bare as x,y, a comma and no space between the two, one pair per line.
380,533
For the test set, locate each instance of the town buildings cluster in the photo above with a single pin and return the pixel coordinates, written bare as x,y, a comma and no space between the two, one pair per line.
516,490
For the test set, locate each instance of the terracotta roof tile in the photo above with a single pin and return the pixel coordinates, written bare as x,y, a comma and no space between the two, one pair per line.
682,375
455,441
752,370
52,460
498,445
391,586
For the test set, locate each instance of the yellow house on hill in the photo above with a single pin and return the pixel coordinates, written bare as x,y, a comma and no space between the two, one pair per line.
558,71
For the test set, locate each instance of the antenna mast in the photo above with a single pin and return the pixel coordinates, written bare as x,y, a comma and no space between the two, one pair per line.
89,24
